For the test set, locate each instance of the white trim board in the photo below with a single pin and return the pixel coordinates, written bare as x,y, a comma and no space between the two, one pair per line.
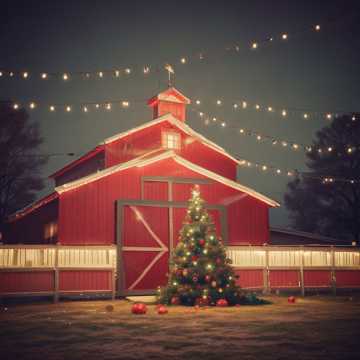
139,162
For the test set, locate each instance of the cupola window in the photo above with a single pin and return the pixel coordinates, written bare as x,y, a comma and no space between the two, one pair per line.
171,140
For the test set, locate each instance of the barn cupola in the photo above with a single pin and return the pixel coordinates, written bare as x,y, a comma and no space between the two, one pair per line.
169,101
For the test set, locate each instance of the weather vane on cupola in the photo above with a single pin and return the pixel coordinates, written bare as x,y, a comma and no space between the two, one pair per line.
170,71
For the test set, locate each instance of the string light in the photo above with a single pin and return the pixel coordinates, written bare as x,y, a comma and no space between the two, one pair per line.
317,27
291,145
44,76
254,45
68,108
283,113
65,77
127,71
32,105
197,102
218,102
284,36
183,60
52,108
146,70
25,75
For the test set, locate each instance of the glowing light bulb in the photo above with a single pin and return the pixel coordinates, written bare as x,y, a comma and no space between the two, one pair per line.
223,124
65,77
25,74
52,108
214,119
317,27
284,36
125,104
258,137
1,73
218,102
349,150
244,104
283,113
289,173
328,116
201,114
235,106
44,76
127,71
284,143
16,106
242,131
146,70
68,108
101,74
257,107
353,118
108,106
197,102
117,73
97,106
85,109
254,45
270,109
330,149
183,60
32,105
306,116
278,171
264,167
295,146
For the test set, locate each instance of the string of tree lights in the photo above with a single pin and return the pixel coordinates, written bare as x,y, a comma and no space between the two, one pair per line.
277,142
283,112
121,72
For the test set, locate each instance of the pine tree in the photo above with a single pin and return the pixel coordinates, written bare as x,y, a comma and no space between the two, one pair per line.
200,272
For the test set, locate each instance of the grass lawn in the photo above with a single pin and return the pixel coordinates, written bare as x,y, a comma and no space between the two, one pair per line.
316,327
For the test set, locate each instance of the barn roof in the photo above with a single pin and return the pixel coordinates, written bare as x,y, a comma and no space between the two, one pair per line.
32,207
177,123
171,94
147,160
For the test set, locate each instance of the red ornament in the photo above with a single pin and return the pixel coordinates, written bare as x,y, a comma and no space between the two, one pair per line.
162,310
207,278
139,309
175,300
201,242
218,261
201,301
194,258
222,303
291,299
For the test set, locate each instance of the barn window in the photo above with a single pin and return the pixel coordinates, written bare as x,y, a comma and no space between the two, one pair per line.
171,140
50,231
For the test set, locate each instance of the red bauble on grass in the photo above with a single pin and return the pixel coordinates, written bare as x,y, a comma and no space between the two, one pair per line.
222,303
175,300
291,299
162,310
139,309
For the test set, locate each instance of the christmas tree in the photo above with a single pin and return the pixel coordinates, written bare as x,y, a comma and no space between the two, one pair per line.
200,272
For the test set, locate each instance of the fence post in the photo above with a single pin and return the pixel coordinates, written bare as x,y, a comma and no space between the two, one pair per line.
302,271
333,273
56,275
266,272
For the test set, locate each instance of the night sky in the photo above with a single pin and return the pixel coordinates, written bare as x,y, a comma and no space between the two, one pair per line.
310,70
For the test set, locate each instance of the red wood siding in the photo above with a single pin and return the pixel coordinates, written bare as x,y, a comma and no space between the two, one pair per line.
284,279
209,159
83,280
347,278
26,281
248,221
317,278
250,278
165,107
87,214
156,190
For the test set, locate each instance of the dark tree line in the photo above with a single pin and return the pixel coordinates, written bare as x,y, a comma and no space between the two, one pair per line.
20,165
330,208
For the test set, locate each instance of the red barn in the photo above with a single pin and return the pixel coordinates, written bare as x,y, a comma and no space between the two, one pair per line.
132,190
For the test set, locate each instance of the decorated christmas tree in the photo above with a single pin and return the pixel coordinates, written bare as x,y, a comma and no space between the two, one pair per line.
200,273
